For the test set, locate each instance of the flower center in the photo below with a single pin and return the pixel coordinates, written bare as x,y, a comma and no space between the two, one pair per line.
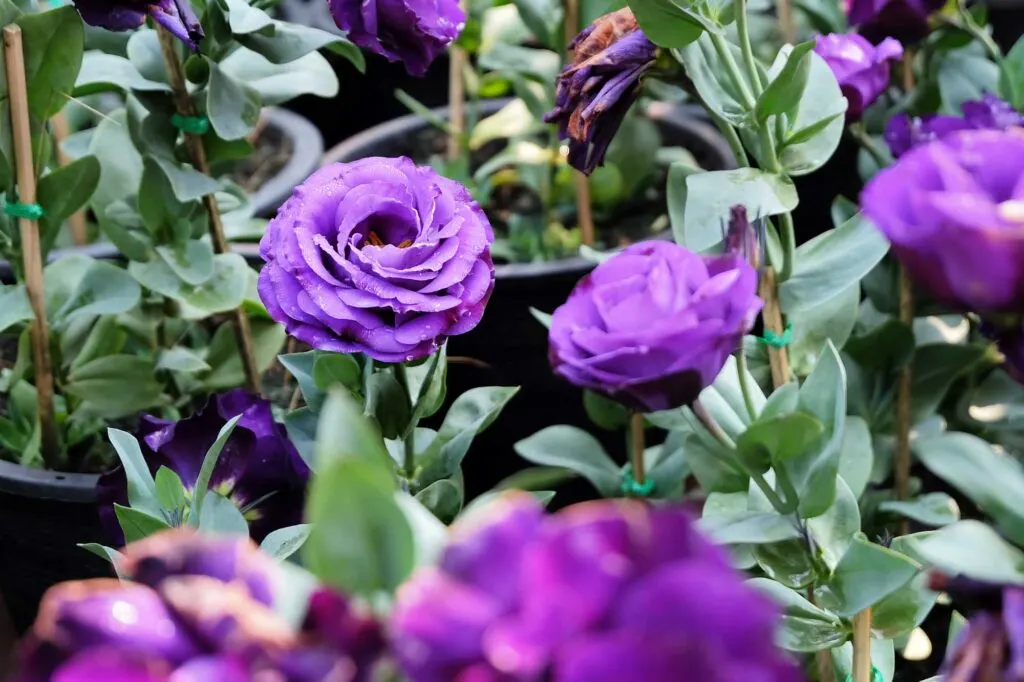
374,240
1012,211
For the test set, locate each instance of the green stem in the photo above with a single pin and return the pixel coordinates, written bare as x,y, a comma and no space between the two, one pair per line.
408,438
749,61
741,368
731,136
862,138
733,70
777,502
711,425
787,238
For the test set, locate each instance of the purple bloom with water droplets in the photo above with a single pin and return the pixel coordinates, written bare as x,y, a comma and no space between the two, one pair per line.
259,468
861,68
594,92
414,32
600,592
125,15
953,211
652,326
378,256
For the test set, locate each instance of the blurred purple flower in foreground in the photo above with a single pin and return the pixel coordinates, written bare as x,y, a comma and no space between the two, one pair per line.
380,257
861,68
198,609
125,15
414,32
610,59
953,211
903,133
600,592
259,468
653,326
904,20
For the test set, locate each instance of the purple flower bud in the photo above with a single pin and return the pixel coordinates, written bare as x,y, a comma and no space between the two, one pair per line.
861,68
653,326
744,238
610,59
377,256
902,133
414,32
600,592
904,20
259,468
953,211
124,15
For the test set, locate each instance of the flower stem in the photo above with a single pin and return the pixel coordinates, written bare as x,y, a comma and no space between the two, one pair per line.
732,69
862,138
186,107
636,450
731,136
741,370
746,48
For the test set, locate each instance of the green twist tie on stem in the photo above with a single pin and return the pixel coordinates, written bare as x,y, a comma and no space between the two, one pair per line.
19,210
774,340
195,125
876,675
633,488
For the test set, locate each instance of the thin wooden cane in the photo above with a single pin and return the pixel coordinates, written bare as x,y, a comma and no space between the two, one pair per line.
584,206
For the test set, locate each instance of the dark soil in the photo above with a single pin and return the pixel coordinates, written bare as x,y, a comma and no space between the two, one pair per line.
273,149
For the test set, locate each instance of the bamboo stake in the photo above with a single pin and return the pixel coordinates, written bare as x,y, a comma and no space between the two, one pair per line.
862,646
76,222
457,60
186,107
636,428
787,28
904,390
584,209
31,249
772,316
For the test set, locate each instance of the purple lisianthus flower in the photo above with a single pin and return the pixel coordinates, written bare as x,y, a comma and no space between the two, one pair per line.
653,326
991,645
904,20
414,32
259,468
600,592
861,68
124,15
380,257
903,133
594,92
953,211
204,618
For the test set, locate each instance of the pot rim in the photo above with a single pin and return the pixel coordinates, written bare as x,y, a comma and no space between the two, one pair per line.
23,481
689,118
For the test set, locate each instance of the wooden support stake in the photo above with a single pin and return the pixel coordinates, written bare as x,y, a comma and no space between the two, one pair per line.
787,27
59,127
904,394
457,60
862,646
772,316
186,107
31,249
636,428
584,207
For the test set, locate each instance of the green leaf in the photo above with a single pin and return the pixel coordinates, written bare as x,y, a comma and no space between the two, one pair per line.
142,493
202,486
361,540
104,290
443,498
278,83
814,133
786,562
905,609
708,198
883,657
707,71
544,19
831,263
137,524
102,72
964,75
63,191
749,528
667,23
14,306
344,433
931,509
284,542
512,120
387,402
779,439
331,369
935,367
784,92
53,46
992,480
120,162
187,183
834,531
605,412
429,534
103,552
232,106
867,574
300,366
226,363
191,261
833,320
224,291
286,42
427,383
1011,76
804,627
856,455
115,386
574,449
170,491
220,515
972,549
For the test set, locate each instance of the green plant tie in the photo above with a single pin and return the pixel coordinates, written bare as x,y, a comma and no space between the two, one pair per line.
876,675
633,488
195,125
774,340
16,209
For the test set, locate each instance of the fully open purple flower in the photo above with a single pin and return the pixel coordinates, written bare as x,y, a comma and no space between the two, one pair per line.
861,68
903,133
954,213
653,325
414,32
904,20
377,256
600,592
124,15
197,609
259,468
610,59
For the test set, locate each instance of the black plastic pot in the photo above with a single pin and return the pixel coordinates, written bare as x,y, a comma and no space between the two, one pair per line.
509,342
43,517
307,145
